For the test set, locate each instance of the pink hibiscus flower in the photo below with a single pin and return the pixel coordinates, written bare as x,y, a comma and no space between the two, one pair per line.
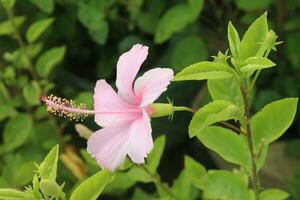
124,116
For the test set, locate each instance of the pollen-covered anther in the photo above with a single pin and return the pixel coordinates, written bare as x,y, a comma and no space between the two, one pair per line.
65,108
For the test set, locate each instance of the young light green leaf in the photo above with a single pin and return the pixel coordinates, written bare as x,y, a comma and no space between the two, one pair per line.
48,168
37,29
273,120
254,37
50,188
256,63
211,113
220,184
234,40
273,194
6,27
153,159
12,194
226,89
194,170
49,60
204,70
174,20
16,131
229,145
46,6
32,93
92,187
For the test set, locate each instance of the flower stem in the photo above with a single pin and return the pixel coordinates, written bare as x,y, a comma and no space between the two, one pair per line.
254,176
156,179
183,108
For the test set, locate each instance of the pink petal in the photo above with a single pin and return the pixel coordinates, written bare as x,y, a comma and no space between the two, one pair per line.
150,86
127,68
107,101
109,145
140,141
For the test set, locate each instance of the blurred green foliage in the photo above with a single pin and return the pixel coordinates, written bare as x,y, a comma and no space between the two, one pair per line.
64,46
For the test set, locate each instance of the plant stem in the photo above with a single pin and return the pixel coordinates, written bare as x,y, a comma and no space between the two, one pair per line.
157,181
254,176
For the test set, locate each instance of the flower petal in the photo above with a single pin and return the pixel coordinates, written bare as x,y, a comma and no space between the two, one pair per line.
112,106
140,141
109,145
127,68
150,86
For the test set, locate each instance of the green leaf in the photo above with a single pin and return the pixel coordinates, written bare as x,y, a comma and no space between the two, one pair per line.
188,50
196,5
12,194
256,63
226,89
119,185
273,194
253,4
220,184
211,113
46,6
204,70
8,3
174,20
183,181
273,120
32,93
139,194
48,168
154,156
24,174
92,187
6,27
147,22
234,40
194,170
4,95
37,29
229,145
16,132
100,33
6,110
139,174
134,7
254,37
49,60
93,19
